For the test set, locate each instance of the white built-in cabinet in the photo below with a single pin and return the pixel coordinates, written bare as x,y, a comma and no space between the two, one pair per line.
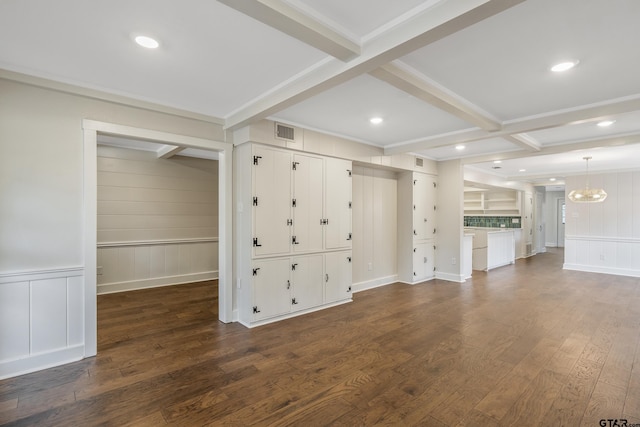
294,232
417,227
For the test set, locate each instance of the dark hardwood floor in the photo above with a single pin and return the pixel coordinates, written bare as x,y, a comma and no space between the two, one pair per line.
528,344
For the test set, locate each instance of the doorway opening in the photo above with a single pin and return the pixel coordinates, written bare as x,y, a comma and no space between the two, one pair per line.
171,144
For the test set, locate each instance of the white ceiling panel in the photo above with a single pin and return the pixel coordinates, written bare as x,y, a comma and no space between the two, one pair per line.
624,124
211,60
346,110
568,163
502,63
477,148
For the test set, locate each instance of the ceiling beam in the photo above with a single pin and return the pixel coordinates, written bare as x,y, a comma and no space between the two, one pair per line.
283,17
610,141
167,151
590,112
436,95
523,140
431,25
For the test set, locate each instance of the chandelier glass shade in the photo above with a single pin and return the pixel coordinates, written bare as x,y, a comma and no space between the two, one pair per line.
586,194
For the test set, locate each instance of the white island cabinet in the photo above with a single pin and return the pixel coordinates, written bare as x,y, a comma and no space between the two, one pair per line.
492,248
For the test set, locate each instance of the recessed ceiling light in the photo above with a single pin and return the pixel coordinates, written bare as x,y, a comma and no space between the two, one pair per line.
522,170
460,147
147,42
497,162
552,179
375,120
606,123
564,66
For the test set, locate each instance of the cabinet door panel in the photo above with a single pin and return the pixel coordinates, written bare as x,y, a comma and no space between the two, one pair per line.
307,213
430,206
420,196
272,187
271,288
338,276
423,261
429,260
337,197
307,281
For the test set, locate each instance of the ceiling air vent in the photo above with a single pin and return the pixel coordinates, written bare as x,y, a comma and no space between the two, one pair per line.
284,132
419,162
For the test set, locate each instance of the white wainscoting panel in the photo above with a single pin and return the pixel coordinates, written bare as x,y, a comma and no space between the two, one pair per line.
126,266
597,254
48,314
41,320
14,320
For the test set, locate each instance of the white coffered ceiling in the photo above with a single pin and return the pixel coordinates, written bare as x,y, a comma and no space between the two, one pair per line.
440,73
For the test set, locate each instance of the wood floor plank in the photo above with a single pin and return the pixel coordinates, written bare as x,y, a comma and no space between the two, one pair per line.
569,407
525,344
607,402
533,404
499,401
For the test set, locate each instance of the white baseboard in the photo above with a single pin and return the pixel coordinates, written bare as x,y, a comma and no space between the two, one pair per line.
458,278
551,244
37,362
110,288
294,314
375,283
602,270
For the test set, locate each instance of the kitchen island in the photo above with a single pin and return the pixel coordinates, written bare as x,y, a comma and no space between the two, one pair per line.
492,247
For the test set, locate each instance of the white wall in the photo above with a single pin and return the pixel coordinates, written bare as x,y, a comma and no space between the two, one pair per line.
551,217
374,223
41,215
157,219
605,237
450,221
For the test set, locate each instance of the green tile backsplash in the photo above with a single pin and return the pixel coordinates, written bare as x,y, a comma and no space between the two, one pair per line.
493,221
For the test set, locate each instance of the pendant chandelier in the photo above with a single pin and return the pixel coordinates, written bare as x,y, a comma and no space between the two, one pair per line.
588,195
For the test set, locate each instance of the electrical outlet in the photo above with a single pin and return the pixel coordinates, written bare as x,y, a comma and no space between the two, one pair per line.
369,266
